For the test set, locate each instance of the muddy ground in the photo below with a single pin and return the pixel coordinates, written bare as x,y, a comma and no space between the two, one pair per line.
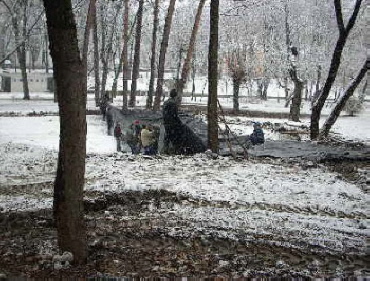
138,234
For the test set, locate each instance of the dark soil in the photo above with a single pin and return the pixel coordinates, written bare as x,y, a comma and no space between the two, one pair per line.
131,234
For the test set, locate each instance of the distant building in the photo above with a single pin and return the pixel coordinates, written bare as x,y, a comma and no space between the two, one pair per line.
37,82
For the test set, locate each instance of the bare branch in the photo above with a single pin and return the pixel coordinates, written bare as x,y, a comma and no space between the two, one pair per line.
339,16
24,39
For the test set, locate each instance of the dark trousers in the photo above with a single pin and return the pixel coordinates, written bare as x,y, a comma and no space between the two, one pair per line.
119,147
149,150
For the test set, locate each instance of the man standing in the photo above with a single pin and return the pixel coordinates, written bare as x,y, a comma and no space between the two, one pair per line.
172,124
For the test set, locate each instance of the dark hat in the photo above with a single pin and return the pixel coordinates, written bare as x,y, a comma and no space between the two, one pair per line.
173,93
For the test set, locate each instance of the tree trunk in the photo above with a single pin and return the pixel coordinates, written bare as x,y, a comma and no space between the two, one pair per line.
116,75
88,26
236,86
295,107
149,102
46,53
181,50
70,77
22,64
213,77
363,93
103,32
193,74
136,65
125,56
90,19
306,90
318,81
162,54
334,65
120,64
21,53
23,58
186,66
106,52
266,83
286,88
259,87
96,59
330,121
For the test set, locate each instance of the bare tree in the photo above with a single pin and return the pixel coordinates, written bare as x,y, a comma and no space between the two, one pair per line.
212,114
330,121
186,66
153,54
344,31
236,63
125,55
292,56
107,44
20,39
96,56
136,64
70,77
162,54
295,107
121,64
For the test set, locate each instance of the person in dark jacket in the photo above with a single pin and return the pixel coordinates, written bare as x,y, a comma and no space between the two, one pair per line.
110,120
118,135
172,124
258,136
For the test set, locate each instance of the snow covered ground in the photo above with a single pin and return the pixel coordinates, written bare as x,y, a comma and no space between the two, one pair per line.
353,128
312,205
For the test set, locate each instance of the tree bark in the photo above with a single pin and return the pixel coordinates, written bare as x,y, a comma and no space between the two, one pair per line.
186,66
318,81
120,64
125,56
213,77
46,53
162,55
90,24
330,121
236,86
136,64
149,102
96,58
103,28
70,77
106,51
20,48
286,89
265,83
334,64
363,92
22,58
295,107
193,74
